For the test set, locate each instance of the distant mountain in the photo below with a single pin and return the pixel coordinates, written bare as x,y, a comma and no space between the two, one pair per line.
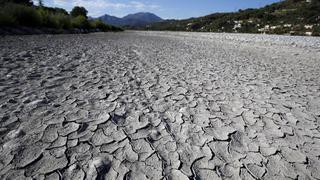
112,20
132,20
142,18
296,17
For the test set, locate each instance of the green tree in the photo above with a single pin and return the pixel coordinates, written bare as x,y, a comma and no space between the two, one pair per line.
80,22
79,11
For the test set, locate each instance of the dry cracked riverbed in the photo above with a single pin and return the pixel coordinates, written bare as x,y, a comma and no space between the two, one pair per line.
159,105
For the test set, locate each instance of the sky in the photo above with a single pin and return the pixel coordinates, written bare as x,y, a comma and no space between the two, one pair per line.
167,9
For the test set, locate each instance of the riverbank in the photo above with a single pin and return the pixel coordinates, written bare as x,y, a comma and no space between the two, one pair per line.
33,31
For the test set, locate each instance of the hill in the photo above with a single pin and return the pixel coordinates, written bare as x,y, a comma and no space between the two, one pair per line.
115,21
136,20
297,17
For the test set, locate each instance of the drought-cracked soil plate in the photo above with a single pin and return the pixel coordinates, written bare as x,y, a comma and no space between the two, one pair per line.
159,105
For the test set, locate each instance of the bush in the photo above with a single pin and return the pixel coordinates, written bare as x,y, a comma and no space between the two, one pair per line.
80,22
64,21
7,20
48,19
98,24
281,30
114,28
54,10
316,30
16,14
57,20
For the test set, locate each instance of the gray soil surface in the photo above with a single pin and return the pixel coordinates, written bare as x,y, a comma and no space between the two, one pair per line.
159,105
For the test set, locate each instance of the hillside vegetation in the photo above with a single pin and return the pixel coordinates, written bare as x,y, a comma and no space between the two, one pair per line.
22,13
297,17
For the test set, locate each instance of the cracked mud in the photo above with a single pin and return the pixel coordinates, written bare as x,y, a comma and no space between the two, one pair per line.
159,105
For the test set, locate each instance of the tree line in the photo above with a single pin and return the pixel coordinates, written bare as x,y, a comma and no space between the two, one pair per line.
17,13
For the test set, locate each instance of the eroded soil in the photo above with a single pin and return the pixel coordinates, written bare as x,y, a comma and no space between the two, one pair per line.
159,105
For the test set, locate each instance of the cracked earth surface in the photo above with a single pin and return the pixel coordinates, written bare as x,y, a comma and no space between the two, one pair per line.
159,105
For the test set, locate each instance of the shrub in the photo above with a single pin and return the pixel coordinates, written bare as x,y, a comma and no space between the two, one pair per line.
80,22
58,10
16,14
281,30
114,28
7,19
98,24
64,21
54,10
48,19
54,19
316,30
28,16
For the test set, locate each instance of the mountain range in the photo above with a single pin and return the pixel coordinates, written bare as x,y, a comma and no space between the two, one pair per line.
296,17
136,20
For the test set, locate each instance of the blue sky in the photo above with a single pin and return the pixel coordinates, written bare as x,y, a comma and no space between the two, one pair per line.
168,9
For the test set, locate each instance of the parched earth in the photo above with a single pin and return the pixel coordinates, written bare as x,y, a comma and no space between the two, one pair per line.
159,105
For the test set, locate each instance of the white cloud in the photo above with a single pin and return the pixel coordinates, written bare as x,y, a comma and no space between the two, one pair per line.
62,3
99,7
142,6
98,4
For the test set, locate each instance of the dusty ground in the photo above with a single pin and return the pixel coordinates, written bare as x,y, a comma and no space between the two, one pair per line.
159,105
